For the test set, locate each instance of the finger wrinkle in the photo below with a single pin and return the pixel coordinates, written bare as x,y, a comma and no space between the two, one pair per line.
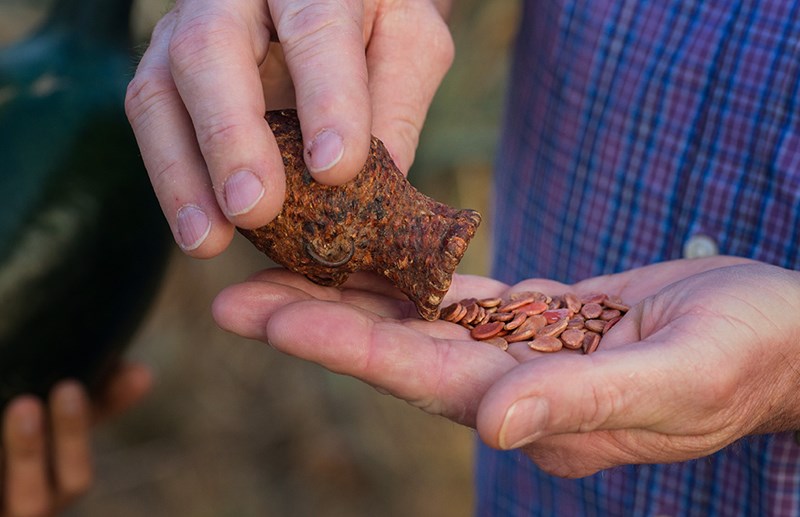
315,21
223,130
599,411
164,174
149,95
193,38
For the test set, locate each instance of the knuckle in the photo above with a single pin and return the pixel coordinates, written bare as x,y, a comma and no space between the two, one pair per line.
219,131
442,47
145,94
191,41
606,400
723,388
432,29
304,24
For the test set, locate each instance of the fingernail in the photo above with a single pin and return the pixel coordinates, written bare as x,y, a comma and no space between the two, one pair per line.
325,151
242,191
524,423
193,227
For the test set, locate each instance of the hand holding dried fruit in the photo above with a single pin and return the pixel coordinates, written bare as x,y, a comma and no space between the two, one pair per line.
706,354
376,222
212,69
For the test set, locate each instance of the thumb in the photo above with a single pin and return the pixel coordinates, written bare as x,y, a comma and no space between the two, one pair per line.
623,388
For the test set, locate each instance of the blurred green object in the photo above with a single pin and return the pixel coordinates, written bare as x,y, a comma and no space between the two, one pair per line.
82,241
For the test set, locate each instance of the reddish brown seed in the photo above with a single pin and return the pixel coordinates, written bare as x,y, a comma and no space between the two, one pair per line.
449,312
472,312
462,311
554,315
458,313
519,319
533,308
595,325
541,297
513,305
535,296
591,310
576,322
553,329
502,316
487,330
610,324
546,344
614,298
521,335
488,303
594,298
590,342
572,338
534,322
615,304
497,341
572,302
610,314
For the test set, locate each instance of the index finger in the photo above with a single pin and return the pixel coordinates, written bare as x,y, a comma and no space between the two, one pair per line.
214,52
442,376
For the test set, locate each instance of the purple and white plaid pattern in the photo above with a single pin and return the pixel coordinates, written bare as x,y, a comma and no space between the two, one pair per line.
636,125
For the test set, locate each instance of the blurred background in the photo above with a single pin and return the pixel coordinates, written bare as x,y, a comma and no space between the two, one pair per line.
233,428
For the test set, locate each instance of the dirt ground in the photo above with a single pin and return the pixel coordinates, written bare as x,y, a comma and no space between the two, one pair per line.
234,428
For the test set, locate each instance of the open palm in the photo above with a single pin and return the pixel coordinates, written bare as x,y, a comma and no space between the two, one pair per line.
662,387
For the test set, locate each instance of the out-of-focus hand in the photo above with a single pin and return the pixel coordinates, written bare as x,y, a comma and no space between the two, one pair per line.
707,354
46,451
197,101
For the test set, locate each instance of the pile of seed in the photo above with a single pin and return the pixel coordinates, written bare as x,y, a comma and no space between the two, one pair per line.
547,324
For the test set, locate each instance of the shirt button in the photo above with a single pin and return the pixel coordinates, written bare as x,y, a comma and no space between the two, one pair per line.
699,246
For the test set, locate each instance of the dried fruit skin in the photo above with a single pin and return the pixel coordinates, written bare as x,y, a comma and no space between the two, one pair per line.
376,222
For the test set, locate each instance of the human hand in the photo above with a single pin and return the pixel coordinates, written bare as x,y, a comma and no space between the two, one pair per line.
700,361
682,375
46,452
198,99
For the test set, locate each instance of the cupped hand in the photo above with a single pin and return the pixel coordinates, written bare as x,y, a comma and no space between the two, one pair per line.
701,360
198,99
46,451
705,356
370,331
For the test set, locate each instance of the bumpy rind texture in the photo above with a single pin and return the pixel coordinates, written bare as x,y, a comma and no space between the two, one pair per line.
376,222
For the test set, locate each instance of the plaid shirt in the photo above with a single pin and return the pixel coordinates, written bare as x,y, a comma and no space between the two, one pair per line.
634,126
